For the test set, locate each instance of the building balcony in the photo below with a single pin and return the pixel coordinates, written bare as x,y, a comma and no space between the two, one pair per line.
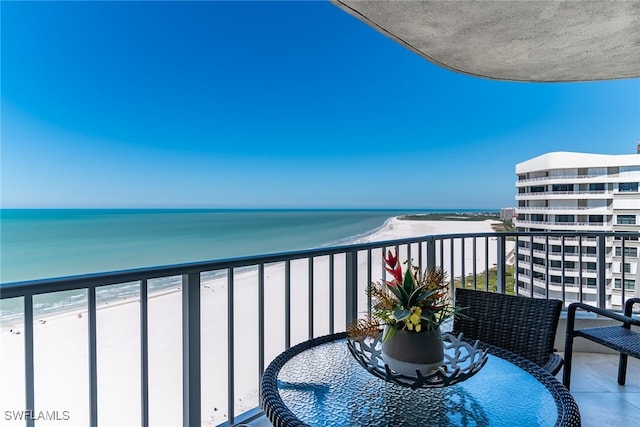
541,287
579,210
567,179
218,324
561,225
561,195
570,256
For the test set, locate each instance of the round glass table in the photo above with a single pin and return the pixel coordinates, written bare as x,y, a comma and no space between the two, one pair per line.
319,383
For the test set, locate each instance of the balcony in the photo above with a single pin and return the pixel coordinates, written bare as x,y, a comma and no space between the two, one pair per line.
219,323
561,225
599,210
564,179
596,194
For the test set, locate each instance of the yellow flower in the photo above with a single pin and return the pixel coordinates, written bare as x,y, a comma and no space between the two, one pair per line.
414,321
415,315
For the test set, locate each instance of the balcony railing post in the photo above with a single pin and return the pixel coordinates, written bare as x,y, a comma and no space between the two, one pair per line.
287,304
602,272
144,353
351,287
331,293
231,358
260,320
310,305
369,300
93,362
28,356
501,272
622,275
191,391
531,265
431,253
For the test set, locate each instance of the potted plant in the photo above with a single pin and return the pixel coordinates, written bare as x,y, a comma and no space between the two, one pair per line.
410,306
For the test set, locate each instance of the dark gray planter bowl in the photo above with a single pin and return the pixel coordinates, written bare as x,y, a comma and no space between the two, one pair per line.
408,351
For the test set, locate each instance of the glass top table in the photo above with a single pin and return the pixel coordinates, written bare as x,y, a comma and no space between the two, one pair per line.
319,383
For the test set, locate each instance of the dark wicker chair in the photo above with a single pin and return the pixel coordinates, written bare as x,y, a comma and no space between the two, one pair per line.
524,326
618,337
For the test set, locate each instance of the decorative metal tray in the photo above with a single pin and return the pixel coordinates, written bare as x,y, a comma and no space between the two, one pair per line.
462,360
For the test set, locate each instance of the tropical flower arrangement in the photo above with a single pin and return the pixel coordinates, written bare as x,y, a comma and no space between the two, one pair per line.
413,300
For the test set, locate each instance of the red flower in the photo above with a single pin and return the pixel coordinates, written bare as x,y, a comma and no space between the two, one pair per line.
393,267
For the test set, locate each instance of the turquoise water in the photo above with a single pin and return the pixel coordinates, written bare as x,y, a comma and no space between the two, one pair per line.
38,244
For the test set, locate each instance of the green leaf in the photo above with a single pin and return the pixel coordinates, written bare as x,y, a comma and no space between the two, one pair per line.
389,332
401,314
427,315
401,294
409,281
418,295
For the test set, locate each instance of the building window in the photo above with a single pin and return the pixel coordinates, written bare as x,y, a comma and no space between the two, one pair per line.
590,250
632,252
628,186
556,279
538,189
538,275
626,219
569,280
596,218
556,264
627,267
570,249
537,217
629,284
596,187
562,187
566,218
626,238
590,266
590,282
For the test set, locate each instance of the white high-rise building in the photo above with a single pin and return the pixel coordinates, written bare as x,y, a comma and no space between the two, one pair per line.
578,192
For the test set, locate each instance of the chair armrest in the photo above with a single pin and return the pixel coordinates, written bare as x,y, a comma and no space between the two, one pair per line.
627,320
628,306
554,364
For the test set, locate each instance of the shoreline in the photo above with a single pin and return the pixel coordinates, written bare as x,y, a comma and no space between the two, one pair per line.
452,216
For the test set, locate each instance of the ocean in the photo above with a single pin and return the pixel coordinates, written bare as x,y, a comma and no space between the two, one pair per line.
47,243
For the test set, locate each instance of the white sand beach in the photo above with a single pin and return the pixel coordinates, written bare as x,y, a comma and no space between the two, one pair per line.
61,355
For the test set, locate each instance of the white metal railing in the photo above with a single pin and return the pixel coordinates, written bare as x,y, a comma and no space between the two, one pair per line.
562,208
525,222
565,178
562,193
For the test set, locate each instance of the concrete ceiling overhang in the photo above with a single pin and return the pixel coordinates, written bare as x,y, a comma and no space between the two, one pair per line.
542,41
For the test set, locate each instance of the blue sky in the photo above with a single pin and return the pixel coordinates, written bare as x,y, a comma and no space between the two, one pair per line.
268,104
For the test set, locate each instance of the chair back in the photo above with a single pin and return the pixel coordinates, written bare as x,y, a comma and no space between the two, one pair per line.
522,325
